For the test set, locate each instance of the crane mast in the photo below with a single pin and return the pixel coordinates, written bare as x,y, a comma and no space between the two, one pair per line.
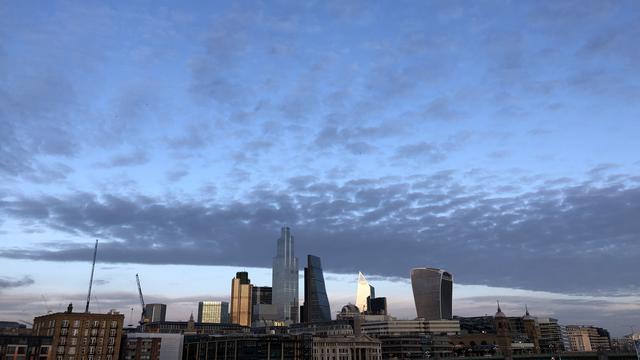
142,315
93,267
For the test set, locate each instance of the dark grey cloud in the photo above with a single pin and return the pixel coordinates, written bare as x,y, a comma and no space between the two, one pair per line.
6,283
583,235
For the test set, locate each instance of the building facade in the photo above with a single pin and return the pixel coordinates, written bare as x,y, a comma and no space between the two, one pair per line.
432,293
364,292
346,348
26,347
316,303
213,312
170,344
241,290
248,347
263,311
410,327
141,348
285,279
155,312
550,336
82,336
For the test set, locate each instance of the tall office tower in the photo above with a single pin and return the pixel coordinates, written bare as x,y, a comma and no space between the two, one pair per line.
285,279
316,304
155,312
550,335
241,289
432,293
365,290
213,312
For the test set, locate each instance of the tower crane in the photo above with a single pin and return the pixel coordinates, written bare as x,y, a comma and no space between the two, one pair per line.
143,313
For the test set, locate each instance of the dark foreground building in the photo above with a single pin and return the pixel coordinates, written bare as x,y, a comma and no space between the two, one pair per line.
25,347
247,347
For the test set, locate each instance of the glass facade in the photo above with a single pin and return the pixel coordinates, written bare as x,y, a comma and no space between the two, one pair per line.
213,312
365,290
316,304
432,293
285,279
155,312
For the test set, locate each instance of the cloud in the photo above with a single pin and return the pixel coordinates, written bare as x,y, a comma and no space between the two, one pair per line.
7,283
134,158
578,234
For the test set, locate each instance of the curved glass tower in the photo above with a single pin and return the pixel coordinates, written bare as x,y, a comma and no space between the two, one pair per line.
285,279
432,293
316,303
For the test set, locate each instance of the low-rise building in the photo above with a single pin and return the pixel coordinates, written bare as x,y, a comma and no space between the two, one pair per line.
25,347
82,336
170,344
141,349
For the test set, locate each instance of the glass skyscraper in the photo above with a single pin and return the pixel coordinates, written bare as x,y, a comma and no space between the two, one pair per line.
316,304
285,279
432,293
364,291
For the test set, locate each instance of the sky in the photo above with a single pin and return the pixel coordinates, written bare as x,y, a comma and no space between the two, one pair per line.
495,139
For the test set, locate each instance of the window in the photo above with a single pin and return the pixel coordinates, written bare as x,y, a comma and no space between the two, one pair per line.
63,340
72,350
65,323
74,341
74,332
76,323
114,324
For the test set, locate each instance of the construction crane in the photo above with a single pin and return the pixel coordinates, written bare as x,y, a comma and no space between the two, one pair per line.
142,315
93,267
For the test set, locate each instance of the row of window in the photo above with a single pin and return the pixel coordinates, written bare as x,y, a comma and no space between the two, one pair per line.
92,350
76,324
88,357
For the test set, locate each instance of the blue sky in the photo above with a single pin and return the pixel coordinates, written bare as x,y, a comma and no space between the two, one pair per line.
495,139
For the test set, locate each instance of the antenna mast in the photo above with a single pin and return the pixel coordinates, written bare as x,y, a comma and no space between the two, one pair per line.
93,266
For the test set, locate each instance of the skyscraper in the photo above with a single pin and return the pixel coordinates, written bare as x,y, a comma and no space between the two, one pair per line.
365,290
432,293
285,279
215,312
262,305
316,304
241,289
155,312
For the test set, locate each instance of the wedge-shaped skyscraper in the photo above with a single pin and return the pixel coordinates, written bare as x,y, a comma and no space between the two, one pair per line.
316,304
432,293
285,279
364,291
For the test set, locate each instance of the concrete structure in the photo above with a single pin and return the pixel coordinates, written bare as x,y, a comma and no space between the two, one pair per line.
316,303
141,349
183,327
364,292
82,335
170,344
213,312
550,335
410,327
241,290
432,293
155,312
26,347
285,279
588,338
325,328
346,348
263,312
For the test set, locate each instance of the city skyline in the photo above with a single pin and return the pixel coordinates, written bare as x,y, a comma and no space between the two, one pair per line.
495,140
